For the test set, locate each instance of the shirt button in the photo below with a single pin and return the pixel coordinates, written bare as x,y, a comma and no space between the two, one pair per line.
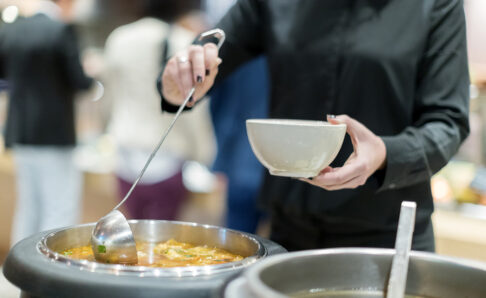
393,185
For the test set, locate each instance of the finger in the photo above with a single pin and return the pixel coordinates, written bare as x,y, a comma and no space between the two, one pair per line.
342,174
353,183
309,180
196,56
214,68
352,157
208,81
352,126
326,170
170,78
185,74
210,56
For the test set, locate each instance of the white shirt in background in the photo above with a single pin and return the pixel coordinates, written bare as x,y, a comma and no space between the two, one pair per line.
133,55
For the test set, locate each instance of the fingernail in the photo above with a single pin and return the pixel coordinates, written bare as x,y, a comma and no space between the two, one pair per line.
331,116
199,79
207,72
191,99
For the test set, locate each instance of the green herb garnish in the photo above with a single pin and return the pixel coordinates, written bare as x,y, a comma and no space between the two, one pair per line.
67,253
101,249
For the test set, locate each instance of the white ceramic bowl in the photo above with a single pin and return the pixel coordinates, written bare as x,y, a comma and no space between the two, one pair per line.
295,148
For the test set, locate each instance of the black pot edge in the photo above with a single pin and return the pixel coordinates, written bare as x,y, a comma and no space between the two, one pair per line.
35,274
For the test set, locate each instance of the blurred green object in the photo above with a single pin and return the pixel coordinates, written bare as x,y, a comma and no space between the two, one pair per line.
459,175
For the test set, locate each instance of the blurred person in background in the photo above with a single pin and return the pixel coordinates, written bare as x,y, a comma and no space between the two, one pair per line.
240,96
398,69
3,85
137,123
39,58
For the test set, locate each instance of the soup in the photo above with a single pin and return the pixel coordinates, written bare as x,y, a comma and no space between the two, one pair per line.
170,253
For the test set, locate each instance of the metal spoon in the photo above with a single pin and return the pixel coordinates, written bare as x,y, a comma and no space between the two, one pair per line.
112,239
403,243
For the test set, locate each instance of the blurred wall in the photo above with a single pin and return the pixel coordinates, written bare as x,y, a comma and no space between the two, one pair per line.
476,34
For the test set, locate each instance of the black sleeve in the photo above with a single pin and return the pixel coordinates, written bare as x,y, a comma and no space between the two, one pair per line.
3,61
243,28
441,105
69,52
244,35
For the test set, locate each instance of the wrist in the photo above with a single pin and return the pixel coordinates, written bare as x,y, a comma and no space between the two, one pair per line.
381,154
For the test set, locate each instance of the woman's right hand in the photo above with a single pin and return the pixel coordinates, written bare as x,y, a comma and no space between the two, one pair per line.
195,67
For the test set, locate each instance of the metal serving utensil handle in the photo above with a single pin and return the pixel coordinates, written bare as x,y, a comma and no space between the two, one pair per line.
216,33
403,243
220,36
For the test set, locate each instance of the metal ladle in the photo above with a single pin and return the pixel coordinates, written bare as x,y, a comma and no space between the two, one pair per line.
112,239
403,243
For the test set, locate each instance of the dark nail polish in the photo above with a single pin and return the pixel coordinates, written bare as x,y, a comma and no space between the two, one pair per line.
199,79
331,116
207,72
191,99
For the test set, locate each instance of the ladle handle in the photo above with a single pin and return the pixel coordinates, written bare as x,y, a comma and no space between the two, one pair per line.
403,243
220,36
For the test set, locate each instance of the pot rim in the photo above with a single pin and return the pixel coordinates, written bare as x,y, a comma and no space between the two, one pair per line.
256,285
118,269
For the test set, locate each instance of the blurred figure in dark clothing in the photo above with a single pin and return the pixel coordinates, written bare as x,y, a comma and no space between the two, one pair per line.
3,85
39,58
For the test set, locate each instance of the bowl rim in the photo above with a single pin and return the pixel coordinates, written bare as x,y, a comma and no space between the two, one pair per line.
119,269
295,122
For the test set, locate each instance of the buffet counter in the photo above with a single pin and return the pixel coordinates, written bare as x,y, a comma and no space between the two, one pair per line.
461,231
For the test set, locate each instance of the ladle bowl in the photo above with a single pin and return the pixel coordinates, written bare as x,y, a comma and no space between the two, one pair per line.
112,240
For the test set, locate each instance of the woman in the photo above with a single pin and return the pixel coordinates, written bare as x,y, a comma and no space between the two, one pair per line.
397,69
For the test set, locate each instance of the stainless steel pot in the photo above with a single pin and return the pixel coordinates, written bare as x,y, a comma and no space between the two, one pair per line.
35,266
330,271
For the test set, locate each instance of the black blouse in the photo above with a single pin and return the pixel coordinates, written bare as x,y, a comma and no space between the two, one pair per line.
399,67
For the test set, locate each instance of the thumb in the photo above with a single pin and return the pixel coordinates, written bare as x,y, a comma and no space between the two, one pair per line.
352,126
333,119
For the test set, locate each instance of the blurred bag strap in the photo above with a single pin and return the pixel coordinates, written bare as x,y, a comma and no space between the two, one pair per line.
165,46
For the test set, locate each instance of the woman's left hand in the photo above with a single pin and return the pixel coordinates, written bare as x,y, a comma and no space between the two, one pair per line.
369,155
